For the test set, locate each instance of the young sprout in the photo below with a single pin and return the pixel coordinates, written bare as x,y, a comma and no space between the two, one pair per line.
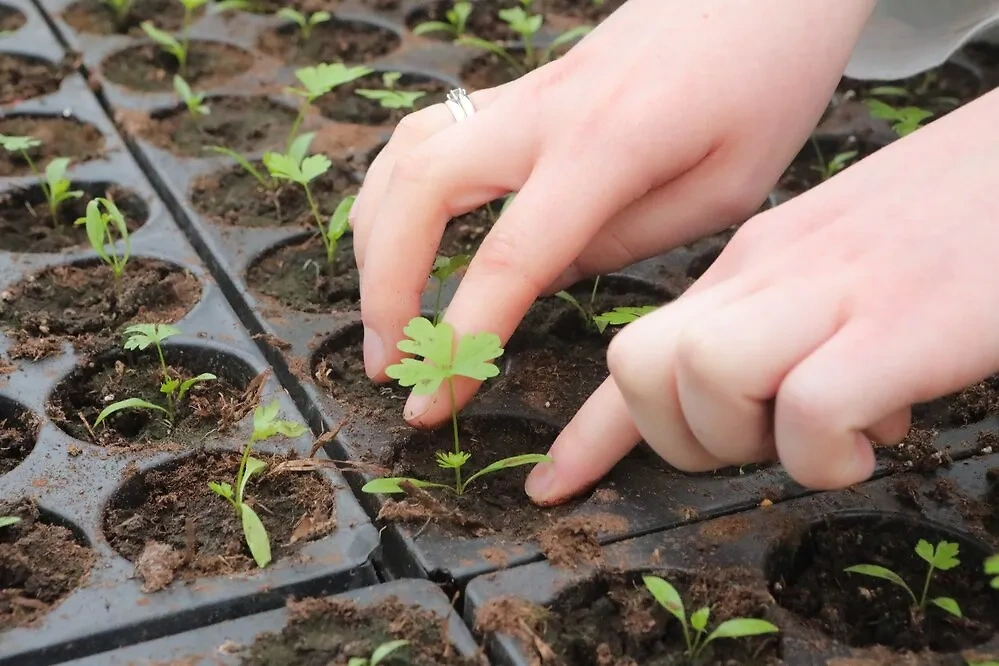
381,652
306,22
456,21
943,557
318,81
445,267
178,48
195,102
54,183
839,161
265,425
141,336
102,227
294,166
904,120
471,358
992,569
7,521
619,316
337,227
120,9
695,628
390,97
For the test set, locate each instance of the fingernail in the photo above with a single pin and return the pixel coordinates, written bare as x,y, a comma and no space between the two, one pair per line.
539,482
374,353
417,406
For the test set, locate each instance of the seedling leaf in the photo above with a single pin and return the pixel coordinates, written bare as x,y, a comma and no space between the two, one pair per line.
699,619
385,649
943,557
742,627
128,403
392,484
473,356
319,80
315,166
434,343
223,489
186,385
876,571
392,99
667,596
256,536
253,466
445,267
621,316
18,143
7,521
242,161
507,463
431,26
947,604
266,424
140,336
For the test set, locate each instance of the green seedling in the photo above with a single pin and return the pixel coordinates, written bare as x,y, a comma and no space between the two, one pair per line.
7,521
455,23
265,425
526,25
992,569
318,81
839,161
390,97
379,655
104,228
195,102
472,358
298,167
178,48
445,267
120,9
54,183
904,120
337,227
921,90
695,627
619,316
942,557
982,663
233,5
305,22
141,337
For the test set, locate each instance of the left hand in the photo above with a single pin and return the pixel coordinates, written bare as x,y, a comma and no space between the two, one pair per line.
818,327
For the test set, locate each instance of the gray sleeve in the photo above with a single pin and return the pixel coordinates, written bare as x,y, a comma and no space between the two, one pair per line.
906,37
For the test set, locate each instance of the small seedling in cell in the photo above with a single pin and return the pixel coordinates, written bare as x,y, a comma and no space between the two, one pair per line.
297,166
305,22
120,9
455,23
444,268
7,521
619,316
942,557
904,120
265,425
167,43
195,102
53,182
839,161
992,569
104,228
318,81
379,655
695,627
337,228
391,97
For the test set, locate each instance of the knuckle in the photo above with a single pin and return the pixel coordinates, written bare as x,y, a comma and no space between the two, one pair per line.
696,345
627,364
503,254
413,166
800,400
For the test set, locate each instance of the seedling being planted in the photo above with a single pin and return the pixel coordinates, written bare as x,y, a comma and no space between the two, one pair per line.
54,183
942,557
445,267
140,337
619,316
380,654
7,521
265,425
305,22
390,97
104,228
695,627
178,48
195,102
473,358
455,23
297,166
904,120
318,81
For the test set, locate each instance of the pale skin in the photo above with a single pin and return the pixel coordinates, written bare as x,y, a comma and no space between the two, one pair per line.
823,320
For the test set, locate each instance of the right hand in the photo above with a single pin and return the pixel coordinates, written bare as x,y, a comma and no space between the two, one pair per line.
670,121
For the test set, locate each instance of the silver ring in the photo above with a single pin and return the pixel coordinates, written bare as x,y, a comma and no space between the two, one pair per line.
459,104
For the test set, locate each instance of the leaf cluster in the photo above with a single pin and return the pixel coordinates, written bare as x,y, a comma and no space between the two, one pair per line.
102,227
904,120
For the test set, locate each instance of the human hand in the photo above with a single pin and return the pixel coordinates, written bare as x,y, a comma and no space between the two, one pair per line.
818,327
694,108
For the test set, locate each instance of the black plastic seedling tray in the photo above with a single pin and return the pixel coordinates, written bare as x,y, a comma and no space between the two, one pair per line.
73,480
220,645
770,548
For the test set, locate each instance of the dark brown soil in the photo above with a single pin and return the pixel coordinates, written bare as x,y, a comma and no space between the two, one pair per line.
40,565
612,620
939,90
298,276
345,106
706,251
488,71
243,124
18,432
26,223
350,42
585,10
10,19
957,410
329,632
60,137
80,303
210,407
93,16
805,172
808,578
235,197
173,506
147,68
483,22
464,234
984,56
23,77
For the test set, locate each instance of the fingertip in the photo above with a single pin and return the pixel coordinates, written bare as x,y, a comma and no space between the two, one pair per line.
854,463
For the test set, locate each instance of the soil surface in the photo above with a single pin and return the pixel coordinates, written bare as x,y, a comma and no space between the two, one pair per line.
939,90
172,525
489,71
18,431
235,197
465,233
23,77
80,303
808,578
805,172
147,68
299,277
210,407
483,21
243,124
613,620
26,223
585,10
706,252
93,16
345,106
40,565
329,632
60,137
10,19
963,408
349,42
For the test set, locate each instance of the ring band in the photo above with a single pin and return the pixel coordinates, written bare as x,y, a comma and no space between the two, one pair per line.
459,104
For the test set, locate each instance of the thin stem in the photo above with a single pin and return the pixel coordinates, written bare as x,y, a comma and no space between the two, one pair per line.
44,186
295,125
529,52
239,477
593,293
437,302
686,639
454,427
315,210
186,38
823,167
926,587
492,213
171,407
